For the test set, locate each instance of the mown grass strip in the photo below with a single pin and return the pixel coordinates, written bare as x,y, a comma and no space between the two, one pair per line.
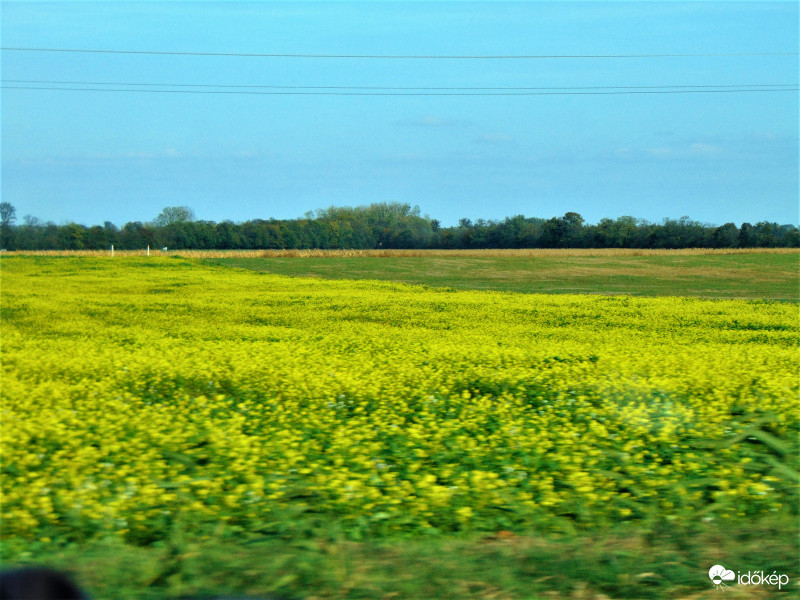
745,275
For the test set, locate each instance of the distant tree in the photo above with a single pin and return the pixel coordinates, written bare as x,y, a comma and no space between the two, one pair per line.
791,236
389,225
8,214
254,234
136,235
766,234
174,214
670,234
726,236
31,221
111,233
571,225
481,234
747,235
381,215
563,232
618,233
71,236
95,238
511,233
551,234
401,239
29,234
228,236
178,236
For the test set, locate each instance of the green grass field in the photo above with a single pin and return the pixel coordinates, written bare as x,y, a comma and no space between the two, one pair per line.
662,562
770,276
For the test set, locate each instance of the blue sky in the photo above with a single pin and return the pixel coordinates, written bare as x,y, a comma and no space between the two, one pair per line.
91,156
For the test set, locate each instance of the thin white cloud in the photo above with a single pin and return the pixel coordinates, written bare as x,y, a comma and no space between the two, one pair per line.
702,149
433,121
660,152
496,139
676,151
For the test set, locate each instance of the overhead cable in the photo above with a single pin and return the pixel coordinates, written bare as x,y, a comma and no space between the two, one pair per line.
399,56
778,86
296,92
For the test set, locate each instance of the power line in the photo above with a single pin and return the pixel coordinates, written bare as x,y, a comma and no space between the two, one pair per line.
733,87
399,56
295,92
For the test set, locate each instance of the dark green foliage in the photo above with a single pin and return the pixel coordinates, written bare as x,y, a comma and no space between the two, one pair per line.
393,225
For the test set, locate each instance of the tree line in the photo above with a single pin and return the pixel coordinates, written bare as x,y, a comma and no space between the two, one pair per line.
386,225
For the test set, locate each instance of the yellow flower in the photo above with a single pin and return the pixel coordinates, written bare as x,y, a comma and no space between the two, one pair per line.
464,513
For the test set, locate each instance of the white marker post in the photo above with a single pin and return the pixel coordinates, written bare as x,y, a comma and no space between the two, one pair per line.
112,250
148,249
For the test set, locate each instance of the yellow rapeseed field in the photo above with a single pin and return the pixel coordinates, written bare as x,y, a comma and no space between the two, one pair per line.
139,392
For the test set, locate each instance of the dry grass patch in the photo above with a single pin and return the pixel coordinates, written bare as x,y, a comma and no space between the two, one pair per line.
392,253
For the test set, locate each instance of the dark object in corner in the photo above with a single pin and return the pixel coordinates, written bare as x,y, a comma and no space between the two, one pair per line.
38,583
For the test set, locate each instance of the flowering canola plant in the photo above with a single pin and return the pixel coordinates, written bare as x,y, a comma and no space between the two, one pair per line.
141,392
